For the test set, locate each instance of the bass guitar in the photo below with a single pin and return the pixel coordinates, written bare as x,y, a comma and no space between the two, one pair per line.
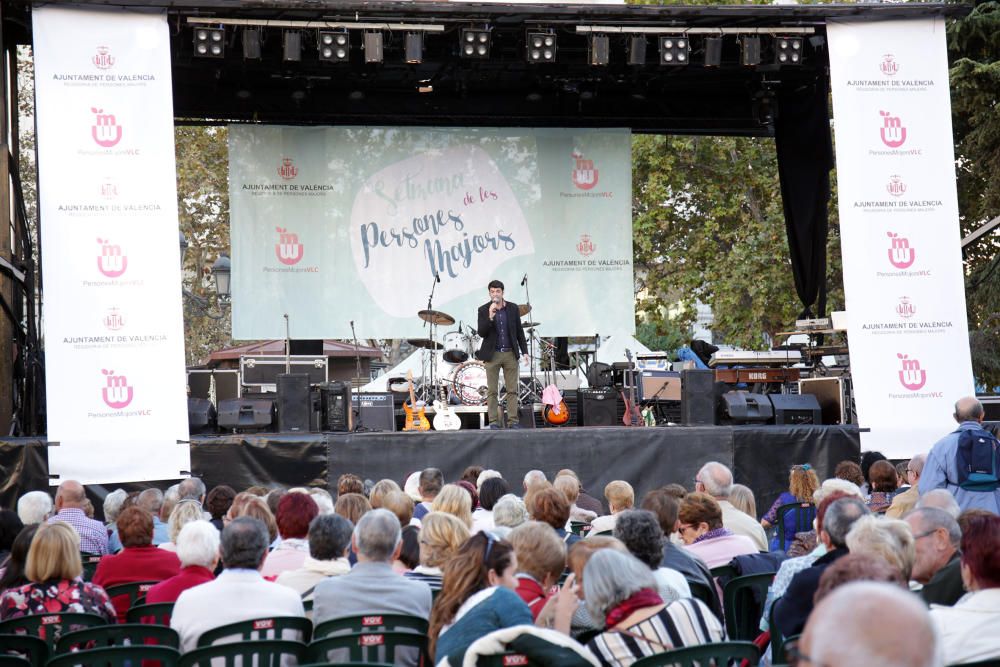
445,417
416,420
632,416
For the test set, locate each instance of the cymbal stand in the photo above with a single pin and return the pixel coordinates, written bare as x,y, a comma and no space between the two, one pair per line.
531,345
429,387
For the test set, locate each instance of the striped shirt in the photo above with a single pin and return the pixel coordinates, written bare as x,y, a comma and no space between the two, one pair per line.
686,622
93,534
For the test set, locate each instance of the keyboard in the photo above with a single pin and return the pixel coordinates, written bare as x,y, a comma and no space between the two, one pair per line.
754,358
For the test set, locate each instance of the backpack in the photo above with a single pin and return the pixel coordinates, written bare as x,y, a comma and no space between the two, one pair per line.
978,459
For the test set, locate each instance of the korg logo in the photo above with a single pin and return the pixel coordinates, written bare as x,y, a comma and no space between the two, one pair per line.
116,393
911,375
112,262
288,249
585,175
893,132
105,131
901,255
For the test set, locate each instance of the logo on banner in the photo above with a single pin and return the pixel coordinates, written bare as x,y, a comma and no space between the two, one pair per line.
896,187
892,131
911,375
103,58
584,174
889,66
287,170
585,246
114,320
116,393
109,189
901,255
112,262
288,249
106,131
905,308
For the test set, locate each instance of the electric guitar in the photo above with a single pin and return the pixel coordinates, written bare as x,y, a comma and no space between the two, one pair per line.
632,416
416,420
445,417
556,415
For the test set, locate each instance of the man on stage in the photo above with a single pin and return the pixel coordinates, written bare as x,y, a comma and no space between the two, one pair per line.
500,328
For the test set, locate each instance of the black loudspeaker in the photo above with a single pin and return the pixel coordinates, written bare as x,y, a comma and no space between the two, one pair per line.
374,411
698,398
600,375
596,407
246,414
796,409
336,406
201,415
310,347
294,404
742,407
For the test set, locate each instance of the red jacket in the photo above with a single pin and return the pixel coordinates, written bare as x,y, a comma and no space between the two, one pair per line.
529,590
131,564
170,589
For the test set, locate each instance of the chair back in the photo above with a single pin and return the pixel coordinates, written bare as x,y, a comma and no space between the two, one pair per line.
118,656
257,629
11,660
126,634
135,590
706,594
153,614
32,650
724,572
49,627
743,603
90,562
777,641
804,515
370,623
704,654
505,659
580,528
369,647
262,653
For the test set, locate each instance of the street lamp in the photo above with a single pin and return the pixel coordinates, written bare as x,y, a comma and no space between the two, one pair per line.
221,272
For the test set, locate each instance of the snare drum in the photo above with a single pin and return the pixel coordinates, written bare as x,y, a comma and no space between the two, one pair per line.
456,347
469,383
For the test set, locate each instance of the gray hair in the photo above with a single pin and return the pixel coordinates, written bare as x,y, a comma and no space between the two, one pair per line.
244,543
836,484
968,409
323,500
35,506
329,536
192,488
916,464
509,511
377,535
890,540
932,518
610,577
198,544
717,479
640,531
941,499
150,500
840,516
113,505
485,475
534,477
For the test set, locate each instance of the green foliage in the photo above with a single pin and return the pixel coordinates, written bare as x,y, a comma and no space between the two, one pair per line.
662,336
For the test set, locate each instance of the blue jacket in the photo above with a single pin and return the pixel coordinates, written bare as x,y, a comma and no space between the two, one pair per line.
941,472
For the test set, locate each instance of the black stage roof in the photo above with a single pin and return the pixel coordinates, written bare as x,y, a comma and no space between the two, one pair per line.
446,89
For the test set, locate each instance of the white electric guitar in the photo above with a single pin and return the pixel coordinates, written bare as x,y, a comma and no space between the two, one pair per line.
445,417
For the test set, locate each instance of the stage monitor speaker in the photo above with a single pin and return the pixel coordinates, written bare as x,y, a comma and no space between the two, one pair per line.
336,400
294,404
600,375
698,397
830,394
796,409
305,346
596,406
743,407
374,411
201,415
246,414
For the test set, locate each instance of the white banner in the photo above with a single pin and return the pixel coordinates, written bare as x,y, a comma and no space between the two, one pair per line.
899,230
113,324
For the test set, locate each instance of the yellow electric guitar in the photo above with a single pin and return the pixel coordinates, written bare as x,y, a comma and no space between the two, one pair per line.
416,420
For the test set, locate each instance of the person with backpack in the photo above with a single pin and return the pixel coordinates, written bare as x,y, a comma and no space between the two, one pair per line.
966,462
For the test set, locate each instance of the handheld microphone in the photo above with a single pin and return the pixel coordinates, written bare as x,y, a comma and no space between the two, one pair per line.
496,300
437,276
524,279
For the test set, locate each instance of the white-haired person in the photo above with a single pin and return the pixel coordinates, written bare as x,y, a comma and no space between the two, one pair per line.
34,507
508,514
198,550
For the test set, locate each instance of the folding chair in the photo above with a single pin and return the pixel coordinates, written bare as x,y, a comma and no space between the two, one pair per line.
370,623
263,653
804,515
32,650
126,634
152,614
257,629
49,627
743,603
369,646
721,653
117,656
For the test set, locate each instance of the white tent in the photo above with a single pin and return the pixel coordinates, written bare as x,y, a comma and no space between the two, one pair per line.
613,348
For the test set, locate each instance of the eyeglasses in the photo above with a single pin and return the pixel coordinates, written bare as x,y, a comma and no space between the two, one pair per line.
925,533
684,526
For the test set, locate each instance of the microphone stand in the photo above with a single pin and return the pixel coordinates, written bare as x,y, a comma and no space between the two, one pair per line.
288,347
358,423
433,364
531,344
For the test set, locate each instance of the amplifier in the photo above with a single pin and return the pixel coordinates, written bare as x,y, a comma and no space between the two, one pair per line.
831,394
246,414
336,406
659,385
597,407
796,409
374,411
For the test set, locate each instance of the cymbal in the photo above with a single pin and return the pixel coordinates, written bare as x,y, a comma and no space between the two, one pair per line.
528,325
425,343
523,309
436,317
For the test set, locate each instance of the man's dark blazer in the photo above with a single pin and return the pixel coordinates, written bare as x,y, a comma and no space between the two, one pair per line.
515,332
792,609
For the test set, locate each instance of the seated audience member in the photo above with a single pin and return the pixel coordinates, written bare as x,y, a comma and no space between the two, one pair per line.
868,459
741,497
704,535
455,500
888,539
576,560
942,500
858,567
113,504
54,571
401,505
965,517
151,500
470,488
218,502
352,506
620,496
379,491
192,488
431,481
793,608
508,513
716,480
70,501
10,527
550,506
322,498
622,591
256,507
477,597
34,507
329,539
968,629
272,499
882,481
902,483
869,623
13,568
533,478
239,593
938,561
411,486
802,484
295,512
409,550
807,541
139,560
371,587
666,507
184,513
170,499
640,532
489,473
851,472
198,552
906,499
440,537
491,490
570,486
350,483
583,501
471,475
541,559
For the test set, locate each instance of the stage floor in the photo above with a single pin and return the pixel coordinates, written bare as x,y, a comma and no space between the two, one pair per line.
760,456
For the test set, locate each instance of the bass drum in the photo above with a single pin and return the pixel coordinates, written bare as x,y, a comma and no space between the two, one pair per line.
468,382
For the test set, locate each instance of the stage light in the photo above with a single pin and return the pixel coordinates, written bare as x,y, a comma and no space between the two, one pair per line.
637,50
251,44
600,48
414,47
373,47
674,50
787,50
713,51
541,47
474,43
291,48
334,47
210,42
750,50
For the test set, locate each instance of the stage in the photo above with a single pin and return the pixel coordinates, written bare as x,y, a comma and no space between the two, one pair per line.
760,456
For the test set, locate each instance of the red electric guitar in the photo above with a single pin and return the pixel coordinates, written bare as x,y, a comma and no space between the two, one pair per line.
632,416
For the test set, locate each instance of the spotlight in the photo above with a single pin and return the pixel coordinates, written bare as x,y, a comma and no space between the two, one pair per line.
750,50
674,50
473,43
291,42
713,51
541,47
209,42
637,50
787,50
600,47
373,47
414,47
334,47
251,44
